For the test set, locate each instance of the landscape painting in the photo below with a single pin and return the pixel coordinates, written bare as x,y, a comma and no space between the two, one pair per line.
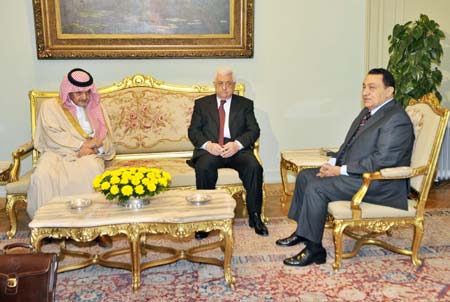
105,29
175,17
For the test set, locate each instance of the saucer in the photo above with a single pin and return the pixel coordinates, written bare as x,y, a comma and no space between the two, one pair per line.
198,198
79,203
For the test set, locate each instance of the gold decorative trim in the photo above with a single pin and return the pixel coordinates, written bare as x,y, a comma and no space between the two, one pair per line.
53,43
285,166
137,231
140,80
5,175
12,200
73,121
432,101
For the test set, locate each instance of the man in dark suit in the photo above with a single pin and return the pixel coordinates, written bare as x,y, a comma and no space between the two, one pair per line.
223,130
381,136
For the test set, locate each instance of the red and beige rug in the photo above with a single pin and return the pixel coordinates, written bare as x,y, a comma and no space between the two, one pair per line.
374,275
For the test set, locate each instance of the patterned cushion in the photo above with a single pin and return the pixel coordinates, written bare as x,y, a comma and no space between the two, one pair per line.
148,120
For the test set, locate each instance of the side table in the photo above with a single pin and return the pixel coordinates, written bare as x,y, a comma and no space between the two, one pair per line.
297,160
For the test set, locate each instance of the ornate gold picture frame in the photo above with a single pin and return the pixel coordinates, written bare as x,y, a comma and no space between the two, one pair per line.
106,29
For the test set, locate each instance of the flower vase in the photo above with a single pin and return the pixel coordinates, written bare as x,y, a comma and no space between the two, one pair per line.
135,202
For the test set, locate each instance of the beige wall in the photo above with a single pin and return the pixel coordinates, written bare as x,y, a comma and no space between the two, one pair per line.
304,78
382,15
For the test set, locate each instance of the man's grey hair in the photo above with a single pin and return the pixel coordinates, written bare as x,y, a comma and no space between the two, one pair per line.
225,70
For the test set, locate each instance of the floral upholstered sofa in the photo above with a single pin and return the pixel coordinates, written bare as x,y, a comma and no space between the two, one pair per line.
149,121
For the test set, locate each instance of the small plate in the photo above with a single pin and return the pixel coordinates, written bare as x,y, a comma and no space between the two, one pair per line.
79,203
198,198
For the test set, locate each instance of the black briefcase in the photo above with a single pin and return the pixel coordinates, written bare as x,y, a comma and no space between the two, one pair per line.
27,277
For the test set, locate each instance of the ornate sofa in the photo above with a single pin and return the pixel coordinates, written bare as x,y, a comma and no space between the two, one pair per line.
149,121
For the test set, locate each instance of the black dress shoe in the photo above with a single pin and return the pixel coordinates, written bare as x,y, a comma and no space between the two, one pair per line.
199,235
291,240
255,222
307,257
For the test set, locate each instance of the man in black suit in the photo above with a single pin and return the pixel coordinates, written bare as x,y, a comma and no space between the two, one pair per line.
223,130
381,136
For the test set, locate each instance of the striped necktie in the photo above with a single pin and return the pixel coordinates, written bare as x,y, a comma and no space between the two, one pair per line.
362,122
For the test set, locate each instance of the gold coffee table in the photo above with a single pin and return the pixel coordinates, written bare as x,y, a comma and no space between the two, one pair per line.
168,213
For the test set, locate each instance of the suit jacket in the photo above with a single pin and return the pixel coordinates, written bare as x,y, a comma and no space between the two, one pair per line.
386,140
205,123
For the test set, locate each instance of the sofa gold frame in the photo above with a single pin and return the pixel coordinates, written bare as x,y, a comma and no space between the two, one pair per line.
365,222
137,80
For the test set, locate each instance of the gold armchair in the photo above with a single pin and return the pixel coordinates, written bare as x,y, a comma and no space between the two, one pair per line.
365,222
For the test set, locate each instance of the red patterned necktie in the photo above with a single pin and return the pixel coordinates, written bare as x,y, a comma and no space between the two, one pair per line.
221,121
362,122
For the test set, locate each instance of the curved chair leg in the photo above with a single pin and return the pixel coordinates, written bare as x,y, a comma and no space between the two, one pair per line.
418,234
11,203
244,197
264,218
338,231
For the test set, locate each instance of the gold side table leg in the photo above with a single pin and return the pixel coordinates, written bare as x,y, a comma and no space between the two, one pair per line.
284,180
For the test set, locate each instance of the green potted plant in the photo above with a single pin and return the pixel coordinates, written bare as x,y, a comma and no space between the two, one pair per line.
415,52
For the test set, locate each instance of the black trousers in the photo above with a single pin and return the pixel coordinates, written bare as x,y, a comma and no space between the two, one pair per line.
245,163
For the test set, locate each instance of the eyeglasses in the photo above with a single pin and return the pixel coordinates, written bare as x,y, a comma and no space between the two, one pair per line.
227,84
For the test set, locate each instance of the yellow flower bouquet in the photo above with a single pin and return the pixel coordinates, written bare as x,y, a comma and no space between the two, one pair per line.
125,183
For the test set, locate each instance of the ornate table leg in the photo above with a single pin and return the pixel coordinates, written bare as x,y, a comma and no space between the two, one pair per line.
228,239
135,247
284,180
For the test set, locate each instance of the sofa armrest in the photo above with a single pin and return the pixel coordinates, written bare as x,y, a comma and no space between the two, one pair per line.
256,151
17,156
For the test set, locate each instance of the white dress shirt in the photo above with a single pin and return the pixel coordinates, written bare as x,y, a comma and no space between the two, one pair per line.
83,120
226,126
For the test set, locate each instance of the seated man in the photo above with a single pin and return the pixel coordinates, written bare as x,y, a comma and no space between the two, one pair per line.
72,138
223,130
380,137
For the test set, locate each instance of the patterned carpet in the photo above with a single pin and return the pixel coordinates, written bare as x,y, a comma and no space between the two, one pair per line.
374,275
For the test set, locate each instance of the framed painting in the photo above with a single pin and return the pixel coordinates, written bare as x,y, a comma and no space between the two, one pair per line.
108,29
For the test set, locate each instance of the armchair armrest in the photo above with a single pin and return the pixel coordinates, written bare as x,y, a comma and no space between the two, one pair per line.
17,156
396,172
383,174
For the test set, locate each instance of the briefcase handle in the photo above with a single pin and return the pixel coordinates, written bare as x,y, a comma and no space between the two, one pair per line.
18,245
